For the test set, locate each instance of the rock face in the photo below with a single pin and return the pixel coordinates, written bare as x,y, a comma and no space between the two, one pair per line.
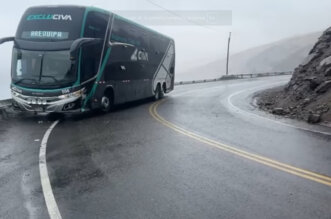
279,111
308,94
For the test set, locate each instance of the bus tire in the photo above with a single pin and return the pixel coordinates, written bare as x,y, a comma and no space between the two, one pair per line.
161,93
164,88
106,103
158,94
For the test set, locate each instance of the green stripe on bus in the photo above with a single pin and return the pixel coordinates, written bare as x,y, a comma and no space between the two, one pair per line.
79,64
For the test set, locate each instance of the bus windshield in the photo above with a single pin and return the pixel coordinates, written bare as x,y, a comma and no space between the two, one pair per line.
42,68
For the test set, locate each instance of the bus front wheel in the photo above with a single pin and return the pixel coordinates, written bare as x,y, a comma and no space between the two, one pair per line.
106,103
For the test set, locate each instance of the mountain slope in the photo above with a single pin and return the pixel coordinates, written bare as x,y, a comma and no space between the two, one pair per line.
283,55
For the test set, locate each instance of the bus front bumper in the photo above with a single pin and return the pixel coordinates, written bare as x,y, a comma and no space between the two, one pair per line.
48,104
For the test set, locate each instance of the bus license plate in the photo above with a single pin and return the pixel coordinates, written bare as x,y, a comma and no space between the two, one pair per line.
38,109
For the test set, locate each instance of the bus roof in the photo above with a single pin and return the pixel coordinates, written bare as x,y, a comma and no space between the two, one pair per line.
97,9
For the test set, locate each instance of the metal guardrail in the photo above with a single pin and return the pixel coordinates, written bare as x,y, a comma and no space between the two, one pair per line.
234,77
5,103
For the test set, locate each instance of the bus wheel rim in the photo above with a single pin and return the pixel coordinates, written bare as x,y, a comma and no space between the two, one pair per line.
105,102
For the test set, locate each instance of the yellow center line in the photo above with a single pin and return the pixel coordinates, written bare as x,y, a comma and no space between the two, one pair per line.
323,179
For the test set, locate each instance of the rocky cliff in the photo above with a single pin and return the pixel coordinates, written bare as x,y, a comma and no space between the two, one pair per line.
308,94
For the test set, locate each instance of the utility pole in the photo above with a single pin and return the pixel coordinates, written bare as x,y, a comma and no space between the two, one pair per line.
227,56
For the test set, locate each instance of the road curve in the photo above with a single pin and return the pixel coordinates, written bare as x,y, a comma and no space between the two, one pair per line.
204,151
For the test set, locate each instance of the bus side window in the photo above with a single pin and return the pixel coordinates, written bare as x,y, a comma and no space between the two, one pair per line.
95,27
154,45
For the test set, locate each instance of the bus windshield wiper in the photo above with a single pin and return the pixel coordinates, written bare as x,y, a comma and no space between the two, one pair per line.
49,76
28,79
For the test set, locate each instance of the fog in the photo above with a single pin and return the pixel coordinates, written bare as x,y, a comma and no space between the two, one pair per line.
254,23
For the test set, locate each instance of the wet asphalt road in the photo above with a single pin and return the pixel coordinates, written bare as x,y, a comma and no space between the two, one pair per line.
127,164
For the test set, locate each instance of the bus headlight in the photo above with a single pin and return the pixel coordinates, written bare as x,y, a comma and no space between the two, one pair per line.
14,93
78,93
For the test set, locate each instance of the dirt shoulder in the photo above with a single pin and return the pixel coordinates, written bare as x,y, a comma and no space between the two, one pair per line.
312,110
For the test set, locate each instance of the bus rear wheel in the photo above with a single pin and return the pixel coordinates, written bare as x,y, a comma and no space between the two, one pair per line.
158,93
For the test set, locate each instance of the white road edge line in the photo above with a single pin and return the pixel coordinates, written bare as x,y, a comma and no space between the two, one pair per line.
258,88
51,204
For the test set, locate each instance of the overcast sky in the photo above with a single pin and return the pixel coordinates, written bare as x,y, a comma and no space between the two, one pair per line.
254,22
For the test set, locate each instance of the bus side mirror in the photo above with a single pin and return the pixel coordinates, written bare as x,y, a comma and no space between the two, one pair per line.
6,39
78,43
